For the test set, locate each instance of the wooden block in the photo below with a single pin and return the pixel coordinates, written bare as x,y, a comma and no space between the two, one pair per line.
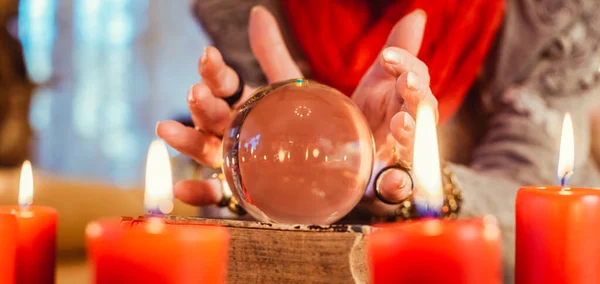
277,253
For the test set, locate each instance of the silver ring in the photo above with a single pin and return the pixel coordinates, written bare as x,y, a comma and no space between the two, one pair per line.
378,182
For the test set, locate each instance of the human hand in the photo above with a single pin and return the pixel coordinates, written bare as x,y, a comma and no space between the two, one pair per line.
389,95
389,84
211,114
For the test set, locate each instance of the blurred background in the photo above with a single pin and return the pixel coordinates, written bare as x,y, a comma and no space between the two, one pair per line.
82,85
107,71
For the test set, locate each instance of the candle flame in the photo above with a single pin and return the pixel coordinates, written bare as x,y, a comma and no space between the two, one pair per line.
26,185
159,182
426,162
566,157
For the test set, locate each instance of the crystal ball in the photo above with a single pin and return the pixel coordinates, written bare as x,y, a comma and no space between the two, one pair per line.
298,152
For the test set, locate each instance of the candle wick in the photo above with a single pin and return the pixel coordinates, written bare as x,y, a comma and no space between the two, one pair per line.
564,180
155,214
425,211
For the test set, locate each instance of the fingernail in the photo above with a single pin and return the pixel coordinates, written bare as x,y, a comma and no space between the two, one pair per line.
392,56
422,13
408,125
204,56
412,81
156,128
254,9
190,95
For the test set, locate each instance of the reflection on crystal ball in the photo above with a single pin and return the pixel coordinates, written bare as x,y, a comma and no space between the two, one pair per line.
298,152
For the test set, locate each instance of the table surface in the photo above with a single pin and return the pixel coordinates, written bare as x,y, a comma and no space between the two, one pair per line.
72,271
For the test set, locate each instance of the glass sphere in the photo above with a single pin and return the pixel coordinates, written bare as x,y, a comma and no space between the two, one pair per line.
298,152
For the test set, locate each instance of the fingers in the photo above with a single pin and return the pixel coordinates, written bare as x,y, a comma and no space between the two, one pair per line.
221,79
395,185
198,192
269,48
209,113
407,36
408,32
412,91
204,148
402,127
396,61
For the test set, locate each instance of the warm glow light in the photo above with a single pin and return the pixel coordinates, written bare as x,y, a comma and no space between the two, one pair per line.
566,157
281,155
159,182
491,231
26,185
315,153
426,162
155,225
93,230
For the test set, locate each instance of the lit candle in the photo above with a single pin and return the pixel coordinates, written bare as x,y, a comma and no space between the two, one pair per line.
434,250
150,250
36,237
428,197
557,227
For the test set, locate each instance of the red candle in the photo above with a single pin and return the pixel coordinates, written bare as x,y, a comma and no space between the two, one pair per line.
557,227
8,248
557,235
434,250
36,237
155,252
152,251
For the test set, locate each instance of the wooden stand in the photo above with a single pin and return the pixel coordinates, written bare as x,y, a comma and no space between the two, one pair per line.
275,253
